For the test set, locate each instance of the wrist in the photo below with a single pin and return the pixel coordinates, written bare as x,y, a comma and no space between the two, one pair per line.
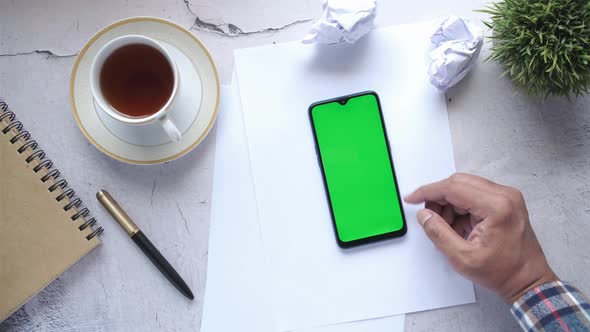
546,277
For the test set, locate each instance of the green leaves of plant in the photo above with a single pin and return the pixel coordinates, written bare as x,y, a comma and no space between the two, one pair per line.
544,44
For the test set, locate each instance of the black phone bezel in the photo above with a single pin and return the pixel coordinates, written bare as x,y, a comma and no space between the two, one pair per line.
375,238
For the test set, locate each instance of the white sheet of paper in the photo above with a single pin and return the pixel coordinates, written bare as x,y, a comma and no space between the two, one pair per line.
236,293
313,281
383,324
236,296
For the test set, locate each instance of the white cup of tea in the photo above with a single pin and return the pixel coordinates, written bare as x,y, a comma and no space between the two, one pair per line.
135,80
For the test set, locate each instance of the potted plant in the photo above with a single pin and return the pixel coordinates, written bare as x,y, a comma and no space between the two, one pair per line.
544,44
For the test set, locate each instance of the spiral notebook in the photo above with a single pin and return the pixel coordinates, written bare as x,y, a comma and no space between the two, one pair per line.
43,227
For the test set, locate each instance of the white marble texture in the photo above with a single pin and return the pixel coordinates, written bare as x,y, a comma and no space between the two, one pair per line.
542,148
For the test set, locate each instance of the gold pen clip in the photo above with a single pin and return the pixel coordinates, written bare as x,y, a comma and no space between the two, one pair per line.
117,212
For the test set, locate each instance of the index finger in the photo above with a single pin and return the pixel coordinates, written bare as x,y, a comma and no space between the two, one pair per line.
467,192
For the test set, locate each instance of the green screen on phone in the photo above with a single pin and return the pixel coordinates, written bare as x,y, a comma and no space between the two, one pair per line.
357,168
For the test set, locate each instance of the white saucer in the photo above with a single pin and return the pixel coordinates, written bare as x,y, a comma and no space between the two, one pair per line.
195,110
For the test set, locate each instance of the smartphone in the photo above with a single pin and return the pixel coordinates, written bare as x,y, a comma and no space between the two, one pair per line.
357,169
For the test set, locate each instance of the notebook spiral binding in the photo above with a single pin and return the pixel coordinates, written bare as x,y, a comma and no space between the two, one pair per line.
54,173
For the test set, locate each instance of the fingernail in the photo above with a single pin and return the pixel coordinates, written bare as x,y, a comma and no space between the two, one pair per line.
423,216
407,196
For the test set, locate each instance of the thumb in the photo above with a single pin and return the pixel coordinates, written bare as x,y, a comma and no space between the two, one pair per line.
442,235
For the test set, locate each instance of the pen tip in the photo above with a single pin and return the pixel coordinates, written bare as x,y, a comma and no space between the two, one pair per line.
190,295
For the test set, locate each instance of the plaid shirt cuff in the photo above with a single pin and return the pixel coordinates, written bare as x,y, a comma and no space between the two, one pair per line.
554,306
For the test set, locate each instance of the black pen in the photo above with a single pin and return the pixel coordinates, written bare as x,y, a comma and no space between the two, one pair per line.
143,242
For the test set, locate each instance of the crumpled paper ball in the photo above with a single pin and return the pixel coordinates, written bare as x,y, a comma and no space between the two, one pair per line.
342,21
457,43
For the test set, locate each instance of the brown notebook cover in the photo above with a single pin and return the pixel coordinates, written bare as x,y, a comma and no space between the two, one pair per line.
39,238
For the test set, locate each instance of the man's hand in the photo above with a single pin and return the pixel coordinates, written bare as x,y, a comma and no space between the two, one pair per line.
483,228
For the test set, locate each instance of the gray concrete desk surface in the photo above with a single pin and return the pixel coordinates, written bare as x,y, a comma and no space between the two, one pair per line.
541,148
